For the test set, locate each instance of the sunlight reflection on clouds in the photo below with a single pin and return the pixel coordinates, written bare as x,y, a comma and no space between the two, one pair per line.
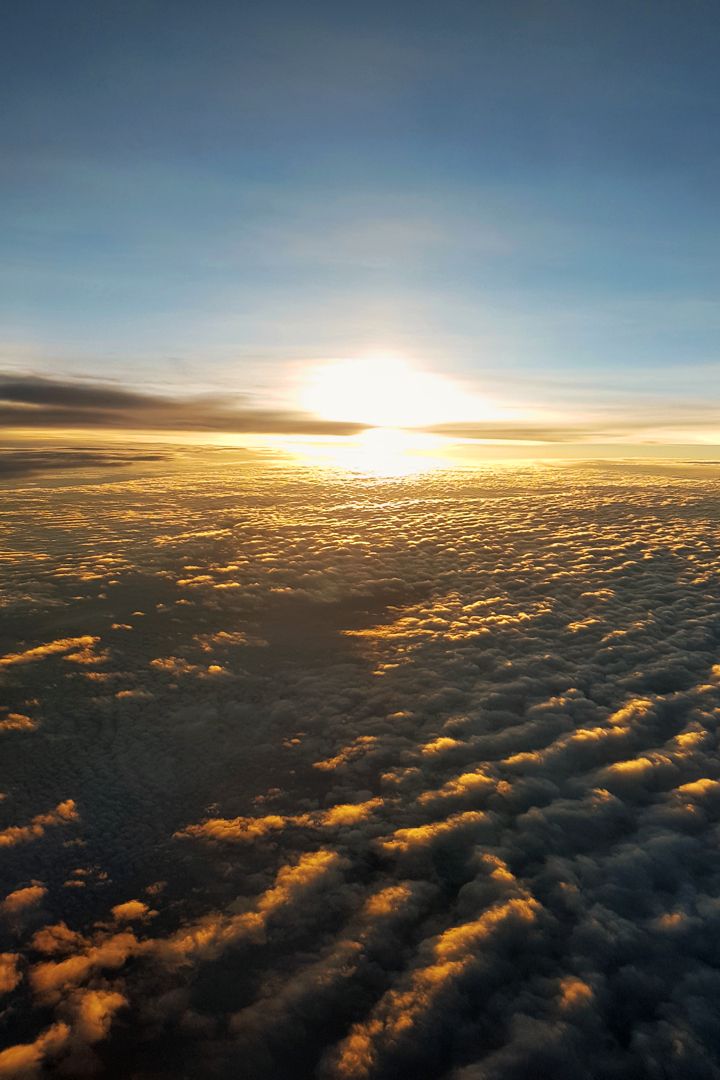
357,776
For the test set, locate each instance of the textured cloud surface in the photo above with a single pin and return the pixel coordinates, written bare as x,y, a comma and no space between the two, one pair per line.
308,775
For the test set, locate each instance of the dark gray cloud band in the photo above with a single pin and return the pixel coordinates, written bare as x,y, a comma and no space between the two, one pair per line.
36,402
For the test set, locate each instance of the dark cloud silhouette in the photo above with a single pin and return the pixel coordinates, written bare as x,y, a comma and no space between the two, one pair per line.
35,402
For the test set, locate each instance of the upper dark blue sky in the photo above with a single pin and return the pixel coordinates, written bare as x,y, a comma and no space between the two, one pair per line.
524,194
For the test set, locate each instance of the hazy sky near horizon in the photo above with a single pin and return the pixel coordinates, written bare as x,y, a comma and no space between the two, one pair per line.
205,198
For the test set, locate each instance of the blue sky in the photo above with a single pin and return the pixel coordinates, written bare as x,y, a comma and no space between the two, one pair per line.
522,195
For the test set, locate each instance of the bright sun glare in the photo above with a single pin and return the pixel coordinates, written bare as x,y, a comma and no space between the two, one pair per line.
381,452
394,399
384,391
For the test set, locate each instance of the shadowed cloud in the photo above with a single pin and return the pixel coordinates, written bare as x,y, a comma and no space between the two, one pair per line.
35,402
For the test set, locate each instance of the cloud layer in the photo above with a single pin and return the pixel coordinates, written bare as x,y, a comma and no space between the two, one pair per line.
330,777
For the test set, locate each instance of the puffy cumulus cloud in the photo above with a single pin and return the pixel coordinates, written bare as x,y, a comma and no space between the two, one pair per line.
14,721
224,639
205,938
248,829
10,976
93,1012
428,768
130,910
466,785
73,981
574,993
440,745
89,1014
64,814
422,1001
293,880
25,1060
287,1008
387,901
361,745
177,667
349,813
457,828
699,789
50,978
242,829
57,939
20,900
208,937
71,646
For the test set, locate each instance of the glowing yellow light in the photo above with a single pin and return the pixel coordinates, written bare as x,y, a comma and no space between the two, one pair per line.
386,392
378,452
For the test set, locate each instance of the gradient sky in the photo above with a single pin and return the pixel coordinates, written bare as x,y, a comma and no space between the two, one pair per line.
205,197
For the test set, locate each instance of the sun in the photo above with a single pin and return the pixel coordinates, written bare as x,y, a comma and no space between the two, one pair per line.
380,452
396,403
383,391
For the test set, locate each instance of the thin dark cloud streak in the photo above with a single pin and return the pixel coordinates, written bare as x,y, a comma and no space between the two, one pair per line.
14,463
610,427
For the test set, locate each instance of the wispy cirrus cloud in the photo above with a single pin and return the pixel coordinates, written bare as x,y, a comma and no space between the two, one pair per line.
650,421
